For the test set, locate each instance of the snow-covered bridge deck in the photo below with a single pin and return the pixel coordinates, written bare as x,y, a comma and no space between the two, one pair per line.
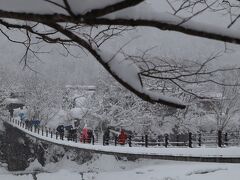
204,154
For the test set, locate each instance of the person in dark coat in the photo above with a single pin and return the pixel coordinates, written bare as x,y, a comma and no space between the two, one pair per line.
11,112
60,130
72,134
106,137
90,135
27,123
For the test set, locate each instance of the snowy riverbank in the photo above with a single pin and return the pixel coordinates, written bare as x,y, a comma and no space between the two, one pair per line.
106,167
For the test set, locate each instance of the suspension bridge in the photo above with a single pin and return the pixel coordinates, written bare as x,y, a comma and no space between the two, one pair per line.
179,153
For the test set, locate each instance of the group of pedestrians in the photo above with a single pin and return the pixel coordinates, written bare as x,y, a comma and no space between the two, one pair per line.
86,135
121,137
71,133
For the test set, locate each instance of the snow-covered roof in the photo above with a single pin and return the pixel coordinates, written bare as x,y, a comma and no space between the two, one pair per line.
78,112
12,101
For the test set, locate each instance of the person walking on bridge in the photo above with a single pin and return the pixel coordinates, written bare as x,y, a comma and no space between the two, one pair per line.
106,136
122,137
60,130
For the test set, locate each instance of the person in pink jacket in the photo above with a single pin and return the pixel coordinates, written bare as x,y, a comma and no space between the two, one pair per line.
84,135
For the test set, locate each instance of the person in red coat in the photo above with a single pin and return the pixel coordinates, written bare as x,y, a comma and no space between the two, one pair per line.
122,137
84,135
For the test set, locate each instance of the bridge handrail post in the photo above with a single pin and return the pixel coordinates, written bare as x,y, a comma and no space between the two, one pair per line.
159,140
130,141
93,140
219,138
103,140
51,134
42,130
226,139
115,140
199,139
166,140
190,139
142,140
146,140
46,132
177,139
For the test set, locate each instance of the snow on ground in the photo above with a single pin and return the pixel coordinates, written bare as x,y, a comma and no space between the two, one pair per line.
13,177
60,175
107,167
4,175
170,170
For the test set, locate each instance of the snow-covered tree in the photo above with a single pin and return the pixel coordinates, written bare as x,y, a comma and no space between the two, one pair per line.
226,107
8,84
42,98
88,24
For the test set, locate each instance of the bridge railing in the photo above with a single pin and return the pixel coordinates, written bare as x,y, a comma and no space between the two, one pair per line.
220,139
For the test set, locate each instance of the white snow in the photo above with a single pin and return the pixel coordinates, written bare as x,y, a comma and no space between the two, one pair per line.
166,170
78,112
42,7
13,177
124,69
107,168
60,175
145,12
156,96
34,166
59,118
11,100
129,73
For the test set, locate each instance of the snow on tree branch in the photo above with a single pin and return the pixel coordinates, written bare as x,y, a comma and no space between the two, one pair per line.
89,12
58,14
